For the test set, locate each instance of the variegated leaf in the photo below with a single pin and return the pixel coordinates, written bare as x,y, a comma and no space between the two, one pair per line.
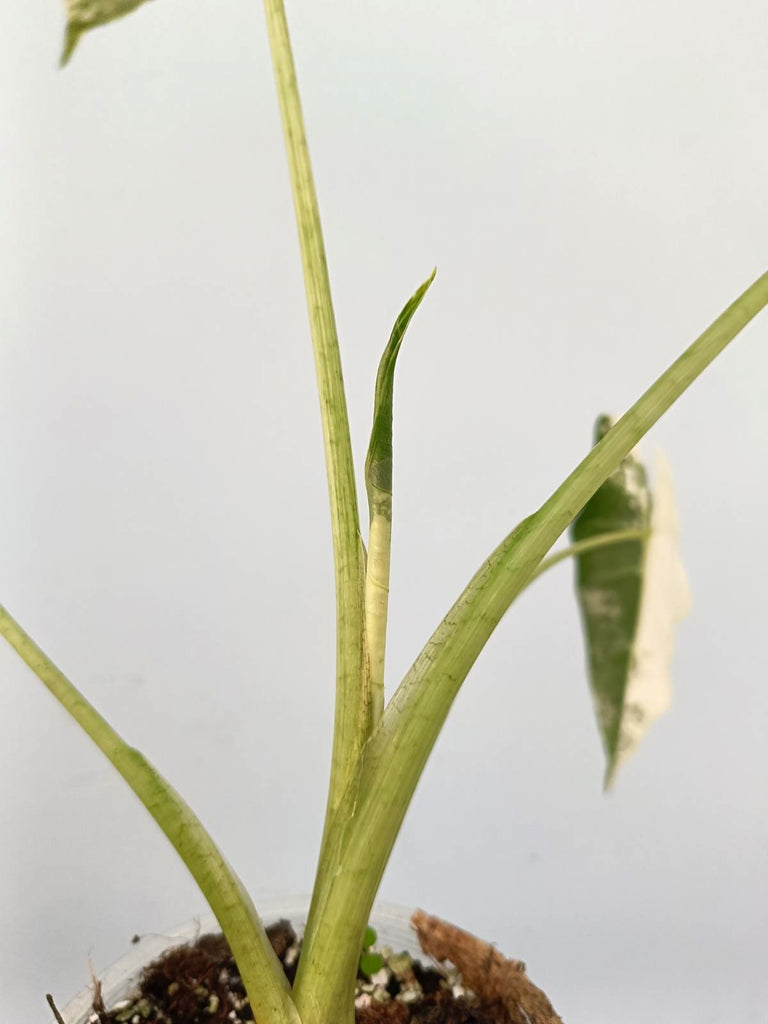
632,594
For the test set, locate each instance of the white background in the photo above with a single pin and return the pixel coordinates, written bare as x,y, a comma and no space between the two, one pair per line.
590,179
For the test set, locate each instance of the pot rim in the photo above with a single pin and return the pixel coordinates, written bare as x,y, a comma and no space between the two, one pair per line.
118,980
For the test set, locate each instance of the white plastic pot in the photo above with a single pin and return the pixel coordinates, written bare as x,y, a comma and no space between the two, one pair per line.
392,924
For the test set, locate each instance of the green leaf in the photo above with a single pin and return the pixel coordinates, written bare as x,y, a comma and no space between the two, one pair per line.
83,15
378,462
631,595
371,963
378,482
369,937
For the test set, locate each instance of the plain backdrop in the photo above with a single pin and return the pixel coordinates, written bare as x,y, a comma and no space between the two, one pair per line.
590,180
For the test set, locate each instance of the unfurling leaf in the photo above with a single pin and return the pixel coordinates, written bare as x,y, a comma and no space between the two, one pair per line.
378,484
632,594
378,462
83,15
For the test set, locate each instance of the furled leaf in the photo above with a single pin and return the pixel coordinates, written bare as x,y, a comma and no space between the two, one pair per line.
631,593
378,484
378,463
83,15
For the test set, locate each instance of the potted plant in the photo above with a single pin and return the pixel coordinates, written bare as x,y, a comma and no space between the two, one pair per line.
380,750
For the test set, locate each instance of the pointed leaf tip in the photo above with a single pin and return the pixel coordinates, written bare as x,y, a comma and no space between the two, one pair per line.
83,15
632,594
71,37
378,462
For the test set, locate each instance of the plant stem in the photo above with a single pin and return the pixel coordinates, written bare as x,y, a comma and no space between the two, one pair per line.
353,716
341,950
353,710
400,746
262,974
377,598
54,1010
352,699
601,541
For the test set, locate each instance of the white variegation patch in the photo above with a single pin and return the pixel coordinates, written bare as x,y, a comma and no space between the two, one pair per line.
664,602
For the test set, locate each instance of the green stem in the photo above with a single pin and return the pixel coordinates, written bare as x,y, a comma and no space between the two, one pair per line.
353,716
601,541
262,974
338,950
400,746
352,700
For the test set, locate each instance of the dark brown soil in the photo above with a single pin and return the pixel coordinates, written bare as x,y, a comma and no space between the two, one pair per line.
199,984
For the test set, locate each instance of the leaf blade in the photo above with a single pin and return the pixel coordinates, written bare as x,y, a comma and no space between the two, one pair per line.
378,461
665,601
378,484
630,597
609,585
84,15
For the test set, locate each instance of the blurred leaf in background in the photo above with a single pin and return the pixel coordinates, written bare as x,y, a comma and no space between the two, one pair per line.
632,594
83,15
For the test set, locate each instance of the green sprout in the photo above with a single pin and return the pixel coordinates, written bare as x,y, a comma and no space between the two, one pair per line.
380,749
370,963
